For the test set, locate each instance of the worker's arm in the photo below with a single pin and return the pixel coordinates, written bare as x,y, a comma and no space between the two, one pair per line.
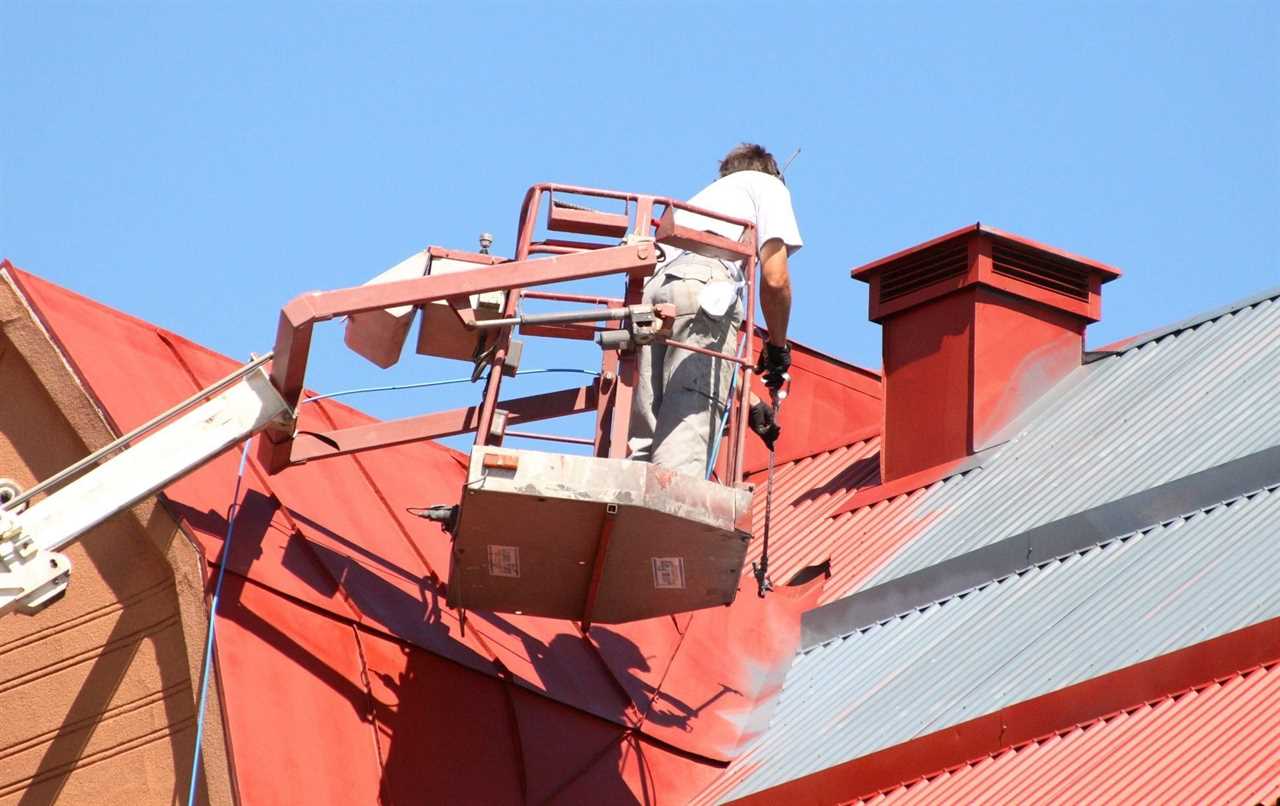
775,289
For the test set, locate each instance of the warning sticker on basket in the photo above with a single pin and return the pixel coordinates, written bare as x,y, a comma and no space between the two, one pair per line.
668,572
504,561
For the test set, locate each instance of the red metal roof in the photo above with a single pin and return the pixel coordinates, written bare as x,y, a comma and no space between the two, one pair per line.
813,521
336,651
345,678
1181,748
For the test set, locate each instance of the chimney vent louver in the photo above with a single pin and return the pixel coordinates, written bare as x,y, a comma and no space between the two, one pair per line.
1038,268
925,268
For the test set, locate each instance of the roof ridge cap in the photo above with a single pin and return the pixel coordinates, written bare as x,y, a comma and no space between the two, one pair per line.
1195,320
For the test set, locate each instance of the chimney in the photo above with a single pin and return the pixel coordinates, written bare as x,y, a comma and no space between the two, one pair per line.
977,325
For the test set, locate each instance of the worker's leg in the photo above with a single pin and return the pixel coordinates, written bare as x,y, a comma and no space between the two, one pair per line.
695,387
647,396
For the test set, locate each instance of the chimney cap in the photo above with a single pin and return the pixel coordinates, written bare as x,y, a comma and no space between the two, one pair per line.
979,255
1108,273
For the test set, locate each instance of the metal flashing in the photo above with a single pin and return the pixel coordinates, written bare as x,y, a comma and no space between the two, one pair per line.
1074,533
1140,339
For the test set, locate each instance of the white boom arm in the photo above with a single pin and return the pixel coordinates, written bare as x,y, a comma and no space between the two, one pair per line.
33,573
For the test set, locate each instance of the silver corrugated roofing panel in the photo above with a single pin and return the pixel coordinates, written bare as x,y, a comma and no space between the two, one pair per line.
1158,411
1134,598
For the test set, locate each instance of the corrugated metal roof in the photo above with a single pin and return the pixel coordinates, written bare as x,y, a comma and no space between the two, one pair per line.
1158,411
1184,749
1166,406
1061,623
805,493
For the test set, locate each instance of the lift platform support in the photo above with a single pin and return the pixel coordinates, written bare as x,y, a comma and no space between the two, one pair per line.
595,538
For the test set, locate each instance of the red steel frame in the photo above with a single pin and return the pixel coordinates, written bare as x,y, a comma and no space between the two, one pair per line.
610,396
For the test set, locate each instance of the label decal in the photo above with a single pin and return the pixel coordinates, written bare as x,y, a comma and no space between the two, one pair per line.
504,561
668,572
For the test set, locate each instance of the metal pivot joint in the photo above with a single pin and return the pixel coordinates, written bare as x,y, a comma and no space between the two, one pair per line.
30,577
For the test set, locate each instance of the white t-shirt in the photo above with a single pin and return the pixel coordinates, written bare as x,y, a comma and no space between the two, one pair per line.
753,195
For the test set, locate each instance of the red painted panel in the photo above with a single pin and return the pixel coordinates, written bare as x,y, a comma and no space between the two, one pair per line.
1020,350
445,733
559,746
721,688
705,682
637,770
295,704
928,372
830,405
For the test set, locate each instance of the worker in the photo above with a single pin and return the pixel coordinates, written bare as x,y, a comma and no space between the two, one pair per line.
680,395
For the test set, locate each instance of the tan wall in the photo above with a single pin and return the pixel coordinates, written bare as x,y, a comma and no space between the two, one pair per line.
97,700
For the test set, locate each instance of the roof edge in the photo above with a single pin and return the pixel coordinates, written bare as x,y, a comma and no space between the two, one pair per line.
861,378
20,277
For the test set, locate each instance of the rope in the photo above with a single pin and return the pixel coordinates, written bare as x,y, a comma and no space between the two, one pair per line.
232,511
445,382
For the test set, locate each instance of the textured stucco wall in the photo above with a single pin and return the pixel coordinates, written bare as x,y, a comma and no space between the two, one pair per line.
97,699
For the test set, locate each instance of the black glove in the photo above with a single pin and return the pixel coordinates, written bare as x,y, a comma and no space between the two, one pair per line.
763,421
773,365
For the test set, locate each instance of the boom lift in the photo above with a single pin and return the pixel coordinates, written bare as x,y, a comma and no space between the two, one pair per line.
595,538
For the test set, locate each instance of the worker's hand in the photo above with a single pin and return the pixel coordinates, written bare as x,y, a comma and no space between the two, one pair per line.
764,422
773,365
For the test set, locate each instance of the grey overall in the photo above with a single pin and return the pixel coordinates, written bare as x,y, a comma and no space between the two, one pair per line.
680,395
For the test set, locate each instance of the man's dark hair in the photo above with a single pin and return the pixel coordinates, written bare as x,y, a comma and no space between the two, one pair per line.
749,157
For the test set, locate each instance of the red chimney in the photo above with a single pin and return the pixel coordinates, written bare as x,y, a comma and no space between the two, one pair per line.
977,325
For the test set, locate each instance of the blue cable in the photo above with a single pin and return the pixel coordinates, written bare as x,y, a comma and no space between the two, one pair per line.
444,382
226,550
724,419
213,611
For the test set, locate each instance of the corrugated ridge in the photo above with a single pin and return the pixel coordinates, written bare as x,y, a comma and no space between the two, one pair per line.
1184,747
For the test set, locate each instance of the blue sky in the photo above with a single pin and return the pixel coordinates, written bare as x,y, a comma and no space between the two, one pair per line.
199,166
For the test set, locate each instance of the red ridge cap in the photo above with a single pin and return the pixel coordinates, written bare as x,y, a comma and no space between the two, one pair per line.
1030,720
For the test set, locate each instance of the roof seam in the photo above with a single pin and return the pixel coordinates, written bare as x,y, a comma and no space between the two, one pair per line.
1048,561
